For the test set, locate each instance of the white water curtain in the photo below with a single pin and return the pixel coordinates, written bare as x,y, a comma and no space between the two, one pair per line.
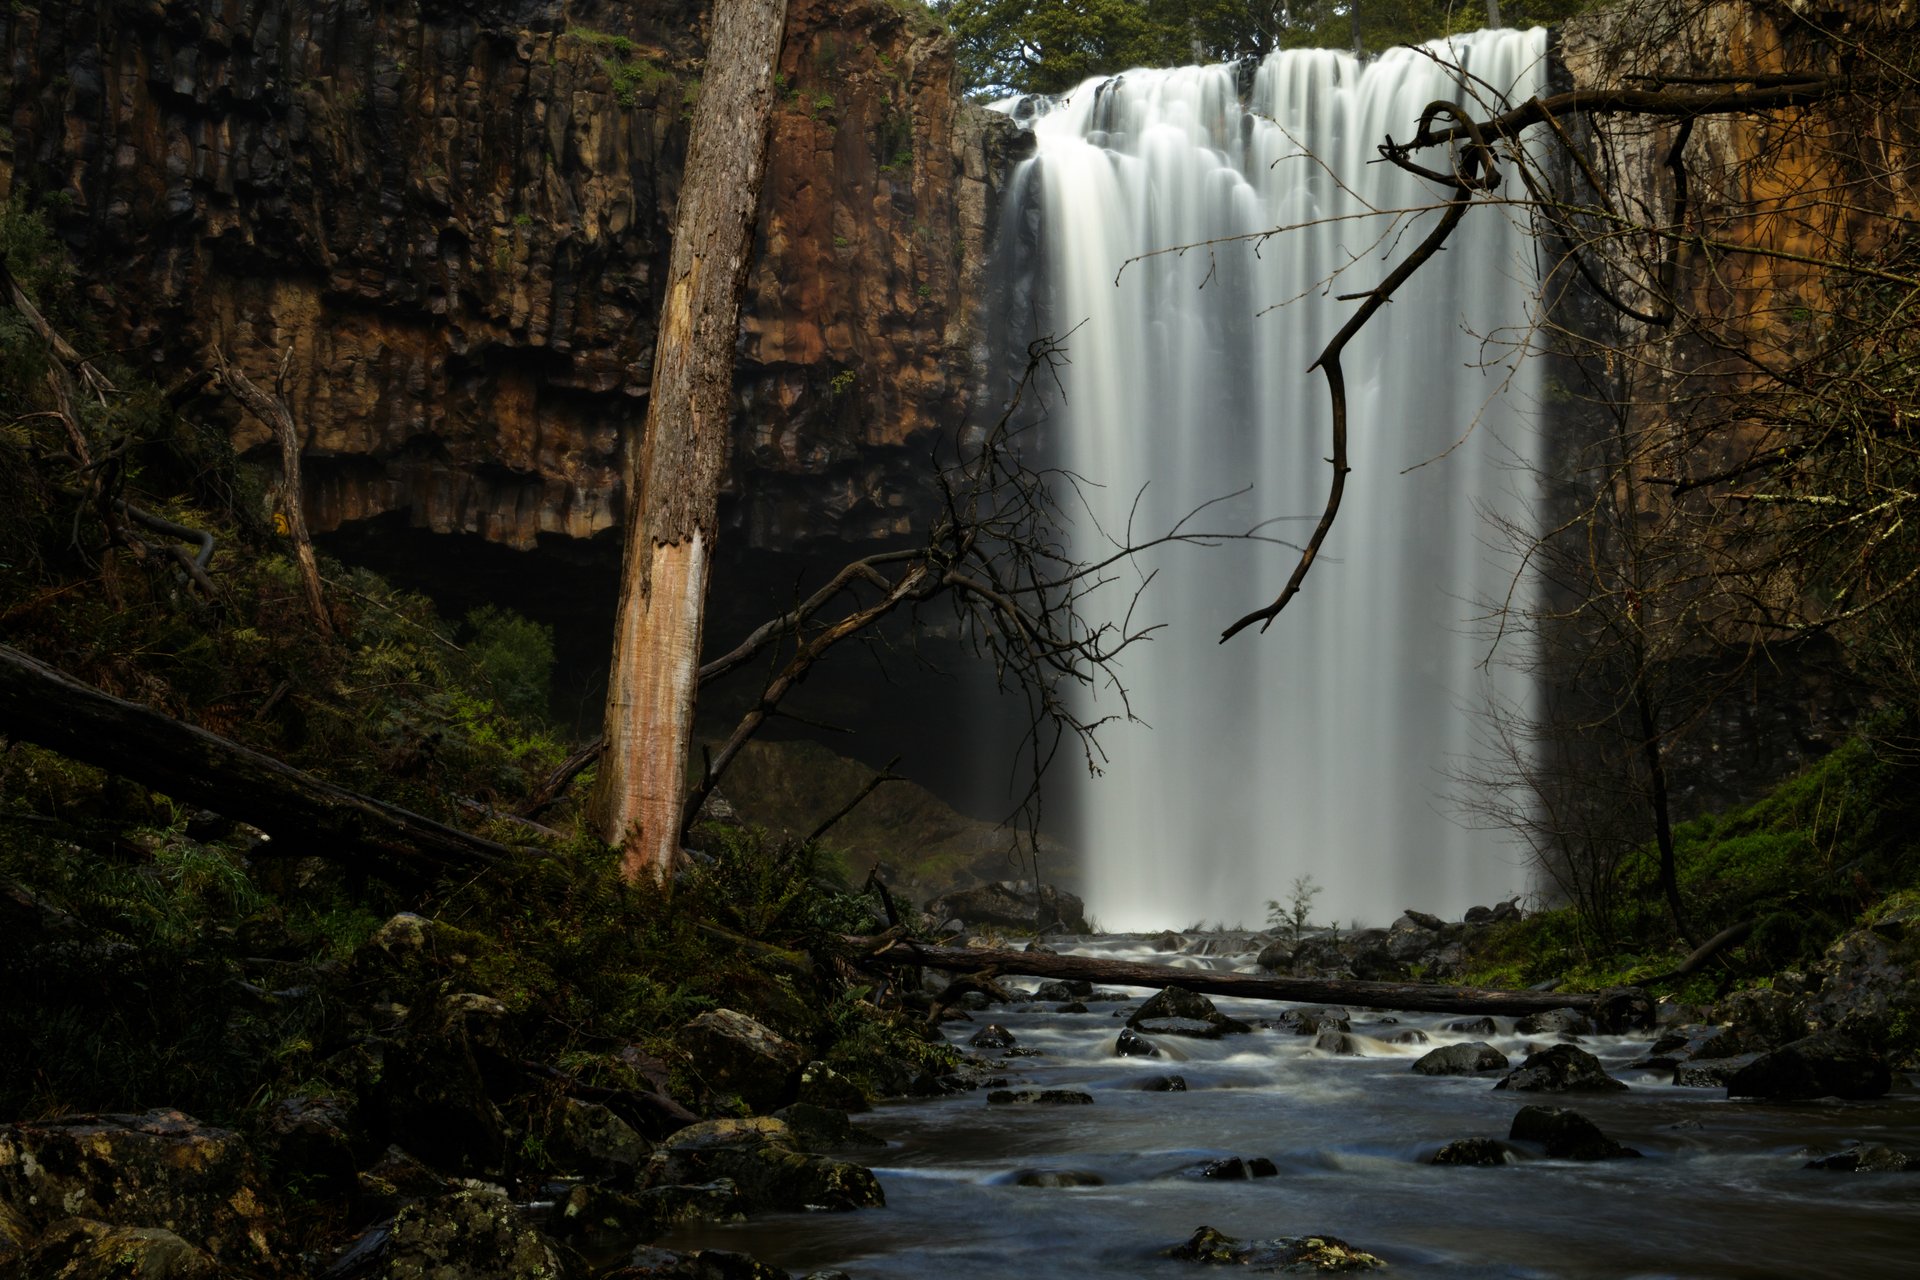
1323,747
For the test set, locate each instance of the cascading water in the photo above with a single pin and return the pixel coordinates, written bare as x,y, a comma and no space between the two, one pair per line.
1324,747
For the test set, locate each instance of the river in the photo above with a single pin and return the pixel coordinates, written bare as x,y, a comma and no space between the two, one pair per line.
1721,1191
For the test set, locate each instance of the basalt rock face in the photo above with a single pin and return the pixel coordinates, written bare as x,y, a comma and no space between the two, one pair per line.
449,217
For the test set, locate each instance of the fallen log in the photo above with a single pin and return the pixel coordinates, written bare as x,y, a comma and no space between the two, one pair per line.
303,814
1409,996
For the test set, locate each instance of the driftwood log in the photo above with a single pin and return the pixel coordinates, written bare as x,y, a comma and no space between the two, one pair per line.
302,813
1410,996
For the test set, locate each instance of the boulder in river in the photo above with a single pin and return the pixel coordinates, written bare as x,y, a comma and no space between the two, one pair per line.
764,1160
1191,1028
1482,1152
1712,1073
651,1263
818,1129
1475,1026
1566,1135
1234,1169
1039,1098
1164,1084
1827,1064
992,1036
1176,1003
1560,1068
1555,1021
1058,1178
1873,1159
1286,1253
1068,989
1462,1060
1311,1021
1132,1044
1275,956
1340,1044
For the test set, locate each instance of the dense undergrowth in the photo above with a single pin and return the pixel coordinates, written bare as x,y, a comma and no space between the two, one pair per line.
158,955
1824,852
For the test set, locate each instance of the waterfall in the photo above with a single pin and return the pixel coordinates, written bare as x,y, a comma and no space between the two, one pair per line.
1324,747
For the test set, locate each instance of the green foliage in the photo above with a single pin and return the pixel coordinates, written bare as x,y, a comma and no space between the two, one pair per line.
1049,46
1840,839
515,657
1293,917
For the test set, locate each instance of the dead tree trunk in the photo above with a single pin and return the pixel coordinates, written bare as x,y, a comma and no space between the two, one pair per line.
673,490
303,814
274,415
1418,997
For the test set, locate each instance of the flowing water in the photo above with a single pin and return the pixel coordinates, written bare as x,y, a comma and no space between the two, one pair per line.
1324,747
1721,1190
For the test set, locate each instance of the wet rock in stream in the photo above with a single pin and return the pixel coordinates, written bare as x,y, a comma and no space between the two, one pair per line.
1566,1135
764,1159
992,1036
1178,1011
1285,1253
1474,1027
1235,1169
1827,1064
1058,1178
1555,1021
1482,1152
1871,1159
1560,1068
1462,1060
1164,1084
1131,1044
1039,1098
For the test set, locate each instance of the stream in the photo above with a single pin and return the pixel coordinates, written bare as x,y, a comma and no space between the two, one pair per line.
1721,1190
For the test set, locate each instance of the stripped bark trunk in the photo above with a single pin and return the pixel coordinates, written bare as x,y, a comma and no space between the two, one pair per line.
673,491
1418,997
274,415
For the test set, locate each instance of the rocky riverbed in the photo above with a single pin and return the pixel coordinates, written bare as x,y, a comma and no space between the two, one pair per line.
1543,1151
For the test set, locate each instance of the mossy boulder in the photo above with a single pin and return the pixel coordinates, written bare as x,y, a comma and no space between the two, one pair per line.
735,1054
763,1159
475,1234
161,1170
1285,1253
1480,1152
588,1138
83,1249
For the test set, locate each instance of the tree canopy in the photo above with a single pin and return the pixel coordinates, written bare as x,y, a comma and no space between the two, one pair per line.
1048,46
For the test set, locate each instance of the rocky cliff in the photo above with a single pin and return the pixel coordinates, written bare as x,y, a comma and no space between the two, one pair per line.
446,216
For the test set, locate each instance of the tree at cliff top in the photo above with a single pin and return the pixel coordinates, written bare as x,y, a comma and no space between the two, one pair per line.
673,485
1049,46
